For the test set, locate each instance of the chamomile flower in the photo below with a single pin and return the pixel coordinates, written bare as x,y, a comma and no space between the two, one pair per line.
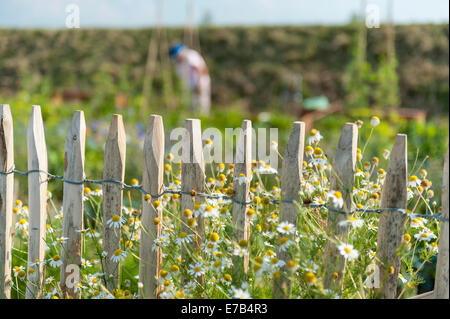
240,294
414,181
22,224
335,197
196,269
285,228
402,279
92,233
352,221
425,235
118,255
314,137
55,261
241,179
184,238
85,263
375,121
348,251
60,240
115,222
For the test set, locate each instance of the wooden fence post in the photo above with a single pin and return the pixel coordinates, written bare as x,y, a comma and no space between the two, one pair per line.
73,206
290,187
114,168
37,199
441,283
241,189
6,198
153,175
192,176
391,223
341,180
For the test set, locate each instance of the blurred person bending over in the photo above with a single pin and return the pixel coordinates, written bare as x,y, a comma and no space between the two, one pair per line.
192,69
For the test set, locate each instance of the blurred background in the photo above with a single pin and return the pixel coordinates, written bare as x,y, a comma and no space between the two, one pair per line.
324,62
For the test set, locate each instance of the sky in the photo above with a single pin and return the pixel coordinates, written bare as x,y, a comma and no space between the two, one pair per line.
143,13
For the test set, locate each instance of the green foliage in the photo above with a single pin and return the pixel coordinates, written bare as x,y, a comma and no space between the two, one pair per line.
246,63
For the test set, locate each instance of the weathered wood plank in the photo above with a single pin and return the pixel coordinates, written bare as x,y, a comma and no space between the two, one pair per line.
290,186
391,223
153,175
6,198
341,180
73,203
37,200
114,168
241,188
192,178
441,284
425,295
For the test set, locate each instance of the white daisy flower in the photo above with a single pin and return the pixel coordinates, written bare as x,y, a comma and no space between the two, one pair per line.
285,228
55,261
96,192
414,181
118,255
60,240
196,270
335,197
22,224
314,137
352,221
425,235
403,279
375,121
115,222
348,251
184,238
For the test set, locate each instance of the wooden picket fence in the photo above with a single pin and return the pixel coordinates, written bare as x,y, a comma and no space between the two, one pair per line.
391,223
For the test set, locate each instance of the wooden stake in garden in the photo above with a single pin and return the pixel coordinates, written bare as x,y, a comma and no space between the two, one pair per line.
37,200
73,207
441,283
341,180
392,223
152,217
290,187
241,190
114,168
6,198
192,178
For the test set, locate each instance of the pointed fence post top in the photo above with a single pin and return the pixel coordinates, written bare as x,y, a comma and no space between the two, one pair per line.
344,163
116,129
293,157
395,192
75,144
37,148
154,152
115,149
6,138
243,160
192,141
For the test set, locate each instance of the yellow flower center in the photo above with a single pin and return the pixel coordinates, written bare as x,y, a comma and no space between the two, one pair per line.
214,237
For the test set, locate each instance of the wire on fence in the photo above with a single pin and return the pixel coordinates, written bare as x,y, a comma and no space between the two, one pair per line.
226,197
